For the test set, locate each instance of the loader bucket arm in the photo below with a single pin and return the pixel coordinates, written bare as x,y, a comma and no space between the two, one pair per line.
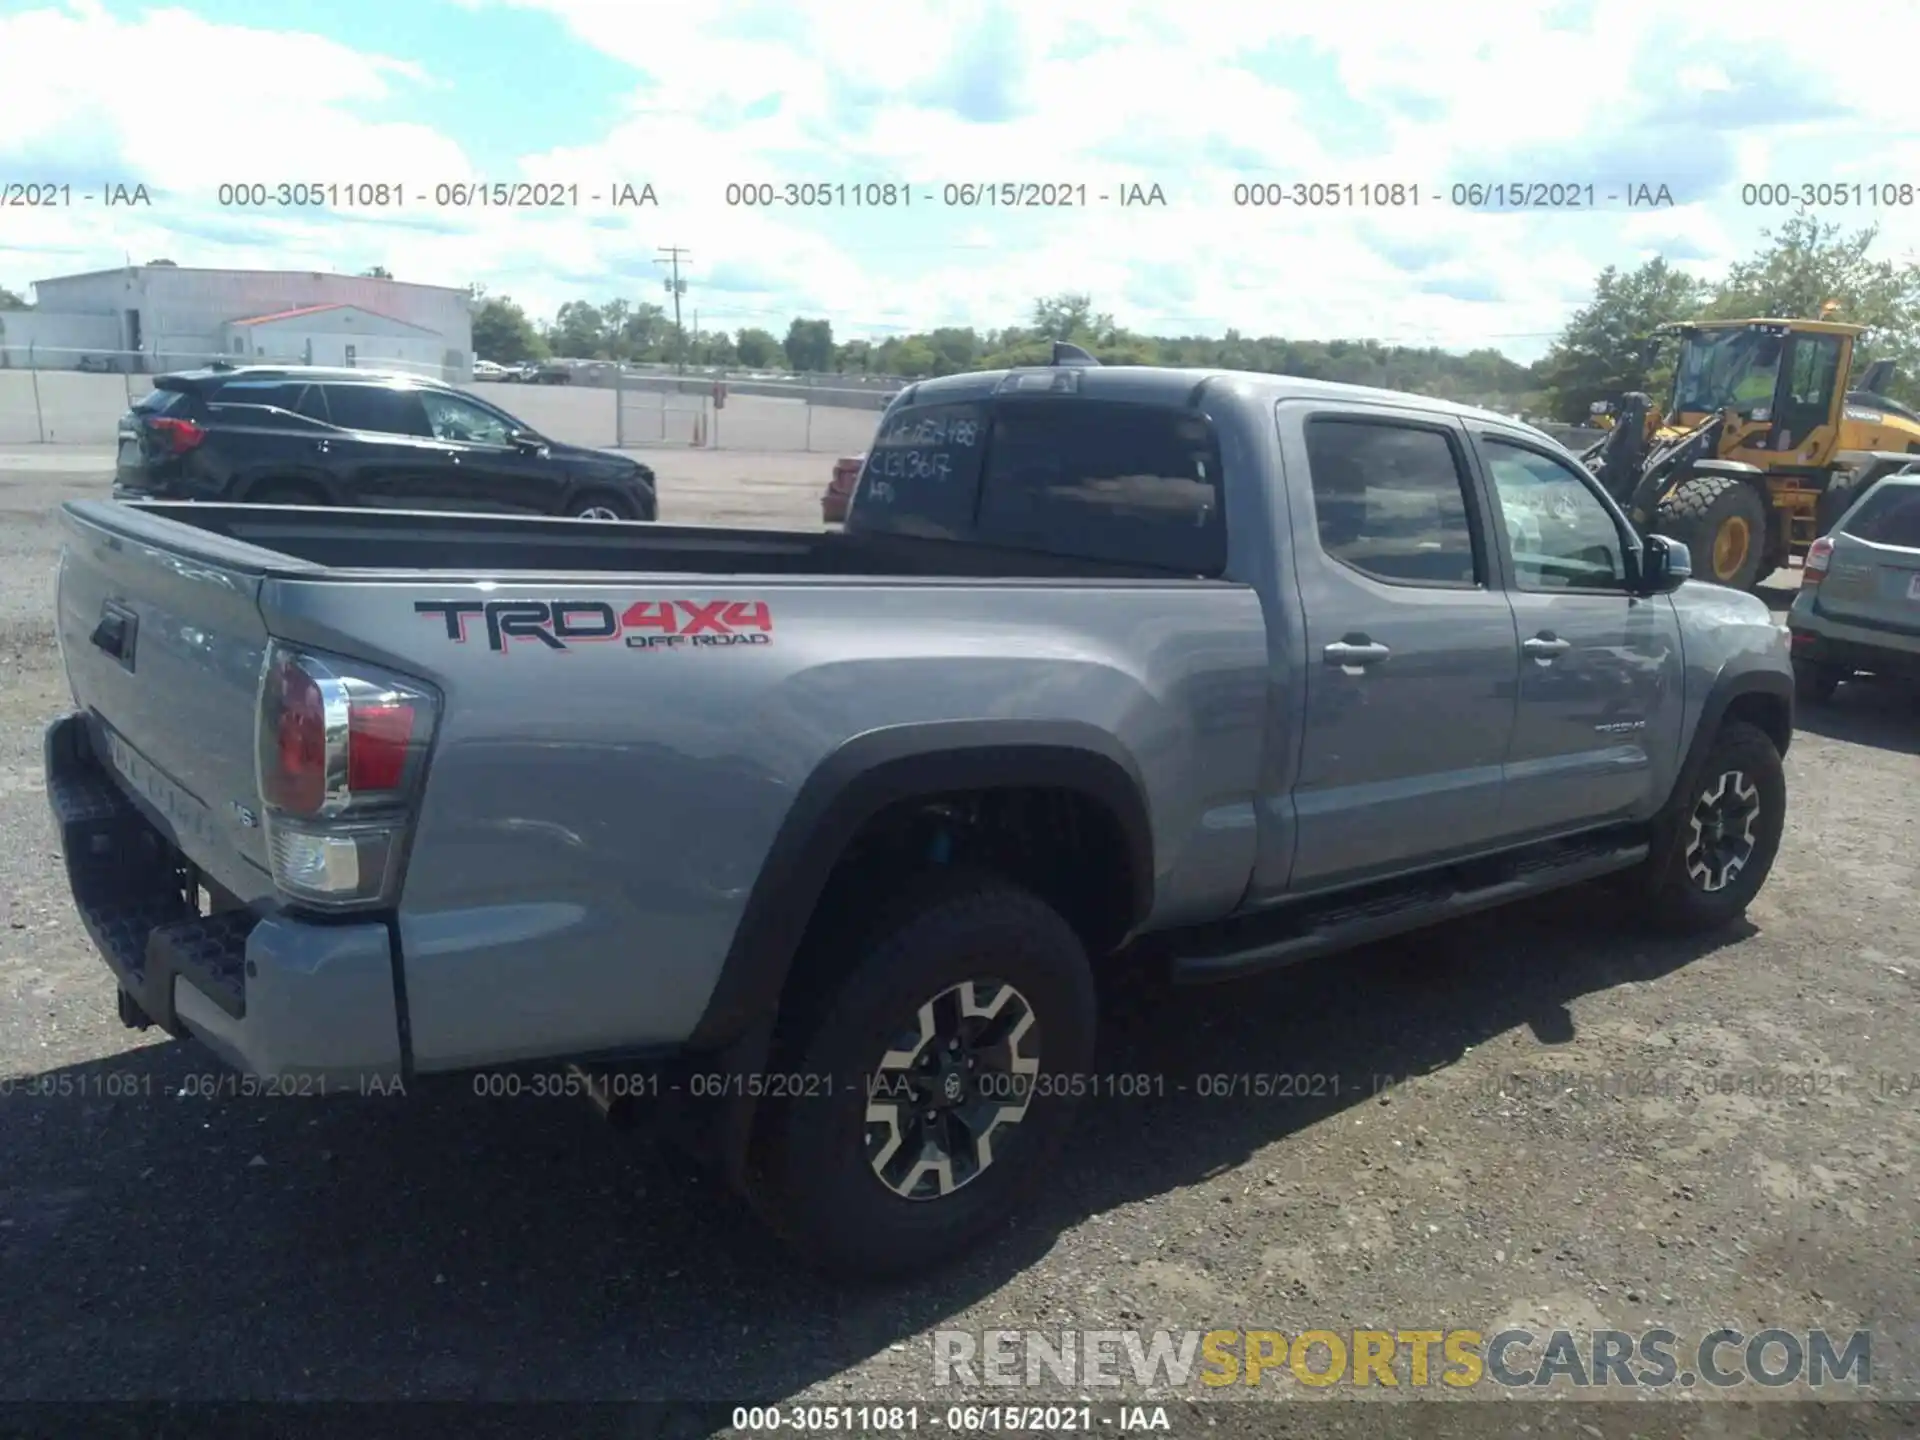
1616,461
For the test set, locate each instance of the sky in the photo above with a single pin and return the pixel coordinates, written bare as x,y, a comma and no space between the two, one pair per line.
1409,115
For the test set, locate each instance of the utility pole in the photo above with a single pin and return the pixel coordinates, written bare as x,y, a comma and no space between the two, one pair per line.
676,287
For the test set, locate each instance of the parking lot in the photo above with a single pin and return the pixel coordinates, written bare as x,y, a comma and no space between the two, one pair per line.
1539,1118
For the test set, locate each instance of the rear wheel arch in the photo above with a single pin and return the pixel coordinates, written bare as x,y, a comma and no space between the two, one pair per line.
883,774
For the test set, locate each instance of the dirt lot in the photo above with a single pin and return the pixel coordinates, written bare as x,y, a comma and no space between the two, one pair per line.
1595,1129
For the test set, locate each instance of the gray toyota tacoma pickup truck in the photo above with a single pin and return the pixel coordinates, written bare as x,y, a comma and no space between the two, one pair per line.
1235,670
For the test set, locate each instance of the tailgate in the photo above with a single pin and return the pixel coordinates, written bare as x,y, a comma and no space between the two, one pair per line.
163,643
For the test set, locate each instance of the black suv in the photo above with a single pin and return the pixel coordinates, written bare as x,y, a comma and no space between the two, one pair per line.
307,436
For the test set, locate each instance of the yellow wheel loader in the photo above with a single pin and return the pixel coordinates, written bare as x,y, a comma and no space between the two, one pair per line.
1761,447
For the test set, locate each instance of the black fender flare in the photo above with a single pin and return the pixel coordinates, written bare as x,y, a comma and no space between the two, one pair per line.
870,773
1727,688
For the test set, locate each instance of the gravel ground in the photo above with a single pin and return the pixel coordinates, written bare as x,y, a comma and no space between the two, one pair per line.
1590,1129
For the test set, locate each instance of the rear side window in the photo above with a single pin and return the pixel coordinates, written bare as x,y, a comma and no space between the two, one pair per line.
1890,516
280,394
378,408
922,475
1105,480
1390,501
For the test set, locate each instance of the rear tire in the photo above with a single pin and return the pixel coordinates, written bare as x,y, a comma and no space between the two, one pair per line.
907,1178
1814,683
1723,523
1722,836
285,492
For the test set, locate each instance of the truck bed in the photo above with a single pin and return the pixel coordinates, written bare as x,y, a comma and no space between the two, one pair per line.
455,545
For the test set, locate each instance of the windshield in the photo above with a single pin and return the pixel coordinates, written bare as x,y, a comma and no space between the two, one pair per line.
1719,368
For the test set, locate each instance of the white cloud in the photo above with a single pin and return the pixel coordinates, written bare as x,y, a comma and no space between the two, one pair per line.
1191,96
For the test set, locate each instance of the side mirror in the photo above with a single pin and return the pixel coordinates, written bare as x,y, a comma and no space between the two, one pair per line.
527,440
1665,565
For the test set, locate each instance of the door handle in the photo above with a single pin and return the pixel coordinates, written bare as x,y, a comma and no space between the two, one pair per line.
1353,655
1545,647
115,632
323,446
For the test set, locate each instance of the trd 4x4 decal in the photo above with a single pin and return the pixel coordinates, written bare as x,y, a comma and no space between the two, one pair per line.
644,625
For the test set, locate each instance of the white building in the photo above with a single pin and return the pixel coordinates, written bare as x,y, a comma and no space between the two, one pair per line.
168,317
337,335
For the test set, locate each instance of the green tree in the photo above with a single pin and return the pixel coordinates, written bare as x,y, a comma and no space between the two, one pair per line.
758,350
502,333
1070,317
377,272
11,301
1609,346
809,345
578,330
647,334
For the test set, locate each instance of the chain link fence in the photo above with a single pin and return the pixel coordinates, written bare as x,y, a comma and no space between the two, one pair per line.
76,397
745,410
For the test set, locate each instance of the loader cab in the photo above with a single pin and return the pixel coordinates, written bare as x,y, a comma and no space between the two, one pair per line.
1780,382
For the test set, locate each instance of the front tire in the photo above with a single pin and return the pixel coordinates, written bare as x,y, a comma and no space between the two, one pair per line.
1722,836
601,505
1723,523
946,1059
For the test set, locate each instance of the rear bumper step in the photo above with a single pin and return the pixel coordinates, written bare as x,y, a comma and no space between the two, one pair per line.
273,995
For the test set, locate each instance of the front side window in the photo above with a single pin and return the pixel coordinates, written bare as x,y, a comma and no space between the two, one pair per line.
454,418
1560,535
1719,368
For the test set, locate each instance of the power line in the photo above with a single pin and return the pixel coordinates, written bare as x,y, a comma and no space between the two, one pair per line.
678,287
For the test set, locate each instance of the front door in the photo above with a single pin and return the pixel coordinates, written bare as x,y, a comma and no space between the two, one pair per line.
1598,728
1411,657
489,472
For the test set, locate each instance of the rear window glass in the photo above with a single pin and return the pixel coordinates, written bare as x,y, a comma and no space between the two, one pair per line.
922,474
162,402
1890,516
378,408
1105,480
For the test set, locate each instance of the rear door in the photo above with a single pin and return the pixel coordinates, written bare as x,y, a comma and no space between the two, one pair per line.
1412,659
384,454
1873,577
1601,692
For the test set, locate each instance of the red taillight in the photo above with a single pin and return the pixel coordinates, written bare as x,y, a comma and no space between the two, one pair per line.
378,741
336,743
179,436
1819,556
297,781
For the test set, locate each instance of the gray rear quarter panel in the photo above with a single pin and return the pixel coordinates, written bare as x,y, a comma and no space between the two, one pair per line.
596,818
